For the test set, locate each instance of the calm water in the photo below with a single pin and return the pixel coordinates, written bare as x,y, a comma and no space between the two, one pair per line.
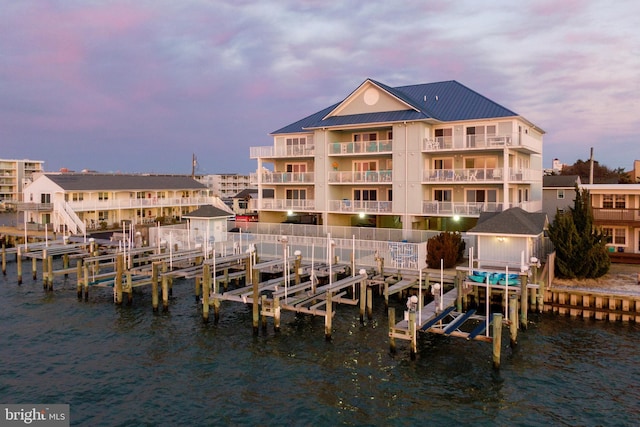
130,366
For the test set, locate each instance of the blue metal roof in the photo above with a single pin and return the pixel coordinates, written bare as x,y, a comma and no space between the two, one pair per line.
442,101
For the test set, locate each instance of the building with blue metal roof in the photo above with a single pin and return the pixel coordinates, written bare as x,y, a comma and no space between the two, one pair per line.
419,157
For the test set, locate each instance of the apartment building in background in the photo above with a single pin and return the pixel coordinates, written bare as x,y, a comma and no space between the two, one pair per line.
422,157
15,175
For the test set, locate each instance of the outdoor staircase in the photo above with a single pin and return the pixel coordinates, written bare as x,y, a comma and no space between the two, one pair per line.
64,214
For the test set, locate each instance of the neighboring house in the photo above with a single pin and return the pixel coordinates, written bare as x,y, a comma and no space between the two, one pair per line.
412,157
15,175
616,208
558,193
80,201
243,203
208,224
510,238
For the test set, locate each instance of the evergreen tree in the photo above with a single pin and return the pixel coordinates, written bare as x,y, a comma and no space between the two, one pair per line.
581,250
447,246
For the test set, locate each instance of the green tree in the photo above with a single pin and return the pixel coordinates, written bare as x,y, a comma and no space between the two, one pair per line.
581,250
447,246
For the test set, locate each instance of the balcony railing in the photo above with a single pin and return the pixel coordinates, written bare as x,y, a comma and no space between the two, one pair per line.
616,214
287,204
459,208
90,205
347,177
288,178
481,175
484,141
360,206
362,147
282,151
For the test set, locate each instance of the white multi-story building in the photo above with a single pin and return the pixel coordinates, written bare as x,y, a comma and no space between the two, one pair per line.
225,186
15,175
426,157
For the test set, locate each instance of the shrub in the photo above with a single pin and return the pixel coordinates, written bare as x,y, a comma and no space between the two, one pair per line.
447,246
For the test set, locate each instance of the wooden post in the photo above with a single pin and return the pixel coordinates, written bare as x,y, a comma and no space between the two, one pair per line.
363,299
117,280
50,272
264,318
86,281
79,278
276,314
392,323
328,317
524,301
458,283
216,309
413,334
165,291
206,289
65,263
297,264
19,262
34,267
129,288
256,306
513,319
154,286
198,286
497,339
4,259
369,303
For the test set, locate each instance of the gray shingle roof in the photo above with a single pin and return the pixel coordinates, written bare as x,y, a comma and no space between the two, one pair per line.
513,221
208,211
133,182
442,101
560,181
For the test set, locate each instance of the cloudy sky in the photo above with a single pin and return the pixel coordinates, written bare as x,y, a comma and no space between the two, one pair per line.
141,86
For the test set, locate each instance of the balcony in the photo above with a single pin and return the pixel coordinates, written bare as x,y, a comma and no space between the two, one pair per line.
360,206
459,208
470,142
287,204
103,205
482,175
288,178
307,150
362,147
613,216
367,177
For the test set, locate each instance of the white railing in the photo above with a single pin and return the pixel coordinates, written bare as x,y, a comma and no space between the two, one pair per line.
288,178
459,208
69,217
361,147
360,206
287,204
481,175
151,202
483,141
282,151
347,177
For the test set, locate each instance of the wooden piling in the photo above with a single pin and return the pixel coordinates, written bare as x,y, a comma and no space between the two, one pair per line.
392,323
154,285
206,289
413,334
276,314
50,272
86,281
34,267
19,265
198,286
4,259
129,288
117,281
256,302
513,319
369,303
328,317
497,339
44,270
264,318
524,301
363,299
65,263
79,278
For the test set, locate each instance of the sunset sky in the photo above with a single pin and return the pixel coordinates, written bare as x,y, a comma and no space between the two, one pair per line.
141,86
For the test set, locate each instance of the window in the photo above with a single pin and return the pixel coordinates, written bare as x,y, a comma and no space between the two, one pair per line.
560,193
296,194
77,197
365,195
613,201
161,195
442,195
357,137
444,137
140,194
616,235
443,163
103,215
103,195
296,167
296,145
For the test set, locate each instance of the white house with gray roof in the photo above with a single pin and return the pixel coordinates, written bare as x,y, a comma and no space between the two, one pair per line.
80,201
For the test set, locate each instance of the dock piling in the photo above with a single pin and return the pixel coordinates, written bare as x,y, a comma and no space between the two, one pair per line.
497,339
206,289
524,301
154,285
392,323
513,319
